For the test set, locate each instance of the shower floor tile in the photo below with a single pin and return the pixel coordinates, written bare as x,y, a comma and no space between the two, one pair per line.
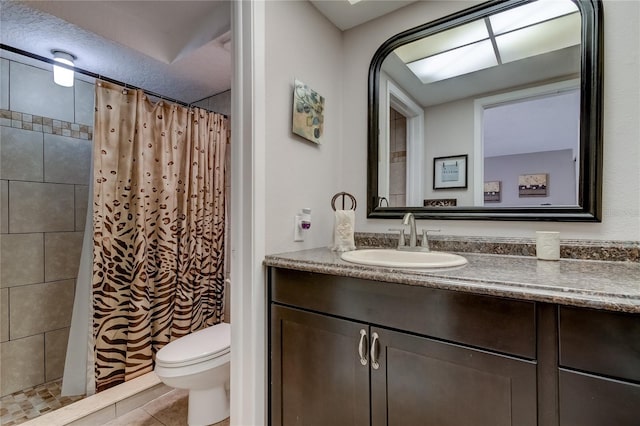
33,402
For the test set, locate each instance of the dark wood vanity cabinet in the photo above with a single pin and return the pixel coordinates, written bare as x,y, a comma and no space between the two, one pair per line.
316,377
348,351
421,381
339,358
599,377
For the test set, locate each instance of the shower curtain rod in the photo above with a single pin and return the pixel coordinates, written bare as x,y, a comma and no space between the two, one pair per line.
92,74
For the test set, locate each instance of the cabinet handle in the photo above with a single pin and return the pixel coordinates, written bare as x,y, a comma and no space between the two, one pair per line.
374,351
361,347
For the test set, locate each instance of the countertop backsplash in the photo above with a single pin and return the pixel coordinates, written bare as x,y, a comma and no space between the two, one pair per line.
625,251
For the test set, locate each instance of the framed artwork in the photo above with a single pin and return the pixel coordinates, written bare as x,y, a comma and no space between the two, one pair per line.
308,112
450,172
533,185
492,191
440,202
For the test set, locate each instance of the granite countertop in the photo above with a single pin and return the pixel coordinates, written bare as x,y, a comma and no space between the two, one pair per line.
613,286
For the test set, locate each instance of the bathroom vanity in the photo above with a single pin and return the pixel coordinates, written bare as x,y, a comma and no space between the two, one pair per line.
504,340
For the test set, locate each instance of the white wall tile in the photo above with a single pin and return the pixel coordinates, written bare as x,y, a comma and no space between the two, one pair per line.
84,105
40,207
22,364
82,204
33,91
4,84
22,259
4,315
397,178
55,351
66,160
62,255
20,154
4,206
38,308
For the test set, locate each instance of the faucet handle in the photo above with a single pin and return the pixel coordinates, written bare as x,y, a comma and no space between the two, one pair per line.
401,240
425,241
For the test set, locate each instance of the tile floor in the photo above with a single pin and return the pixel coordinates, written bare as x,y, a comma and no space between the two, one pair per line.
33,402
167,410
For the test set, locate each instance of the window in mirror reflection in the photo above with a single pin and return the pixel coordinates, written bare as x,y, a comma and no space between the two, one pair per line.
534,136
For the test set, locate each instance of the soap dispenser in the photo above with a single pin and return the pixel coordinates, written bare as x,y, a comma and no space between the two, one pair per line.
302,224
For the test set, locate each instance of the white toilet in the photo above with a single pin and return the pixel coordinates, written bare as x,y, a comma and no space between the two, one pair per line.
200,362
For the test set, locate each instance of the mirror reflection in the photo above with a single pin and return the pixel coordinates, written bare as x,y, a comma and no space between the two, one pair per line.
485,113
496,73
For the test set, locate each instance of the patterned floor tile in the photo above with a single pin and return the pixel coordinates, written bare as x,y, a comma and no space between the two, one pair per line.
33,402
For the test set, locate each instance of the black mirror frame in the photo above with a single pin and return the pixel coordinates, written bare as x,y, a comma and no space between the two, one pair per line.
591,77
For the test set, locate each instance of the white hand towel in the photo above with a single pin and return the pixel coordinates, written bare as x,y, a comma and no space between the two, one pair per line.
343,229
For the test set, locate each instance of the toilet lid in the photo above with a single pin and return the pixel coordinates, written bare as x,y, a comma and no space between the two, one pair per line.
201,345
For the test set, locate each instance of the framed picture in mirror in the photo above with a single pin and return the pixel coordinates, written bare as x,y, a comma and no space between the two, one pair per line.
440,202
533,185
450,172
492,191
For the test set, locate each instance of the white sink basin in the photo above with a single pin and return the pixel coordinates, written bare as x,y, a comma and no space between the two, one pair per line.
404,259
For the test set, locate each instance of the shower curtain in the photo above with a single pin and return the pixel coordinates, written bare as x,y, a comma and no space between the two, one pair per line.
78,377
158,228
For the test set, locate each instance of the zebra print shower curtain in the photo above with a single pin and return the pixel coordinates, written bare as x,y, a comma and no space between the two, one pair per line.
158,229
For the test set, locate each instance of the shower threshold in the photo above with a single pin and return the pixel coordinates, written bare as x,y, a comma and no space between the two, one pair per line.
106,405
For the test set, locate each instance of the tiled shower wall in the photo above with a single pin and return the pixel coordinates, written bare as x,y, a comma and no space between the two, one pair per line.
397,159
45,152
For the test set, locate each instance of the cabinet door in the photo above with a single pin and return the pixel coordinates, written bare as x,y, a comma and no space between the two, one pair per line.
421,381
589,400
317,377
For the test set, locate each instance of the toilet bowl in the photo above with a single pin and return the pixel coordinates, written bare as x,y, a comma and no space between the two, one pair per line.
199,362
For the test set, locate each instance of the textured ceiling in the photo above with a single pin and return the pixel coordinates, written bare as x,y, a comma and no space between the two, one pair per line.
179,49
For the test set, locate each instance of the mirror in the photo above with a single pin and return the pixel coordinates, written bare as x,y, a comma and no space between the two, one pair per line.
490,113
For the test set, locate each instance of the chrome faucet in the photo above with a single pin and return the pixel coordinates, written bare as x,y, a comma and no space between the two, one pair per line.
410,220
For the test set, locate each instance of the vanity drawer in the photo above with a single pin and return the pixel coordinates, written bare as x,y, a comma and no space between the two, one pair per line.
600,342
502,325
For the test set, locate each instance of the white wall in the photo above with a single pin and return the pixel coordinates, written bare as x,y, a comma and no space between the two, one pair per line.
448,130
301,44
621,175
558,165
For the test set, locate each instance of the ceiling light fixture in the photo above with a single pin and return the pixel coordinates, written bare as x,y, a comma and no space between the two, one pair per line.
455,62
536,28
63,76
530,14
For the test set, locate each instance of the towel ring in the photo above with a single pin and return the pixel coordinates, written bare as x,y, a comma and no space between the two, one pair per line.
343,195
